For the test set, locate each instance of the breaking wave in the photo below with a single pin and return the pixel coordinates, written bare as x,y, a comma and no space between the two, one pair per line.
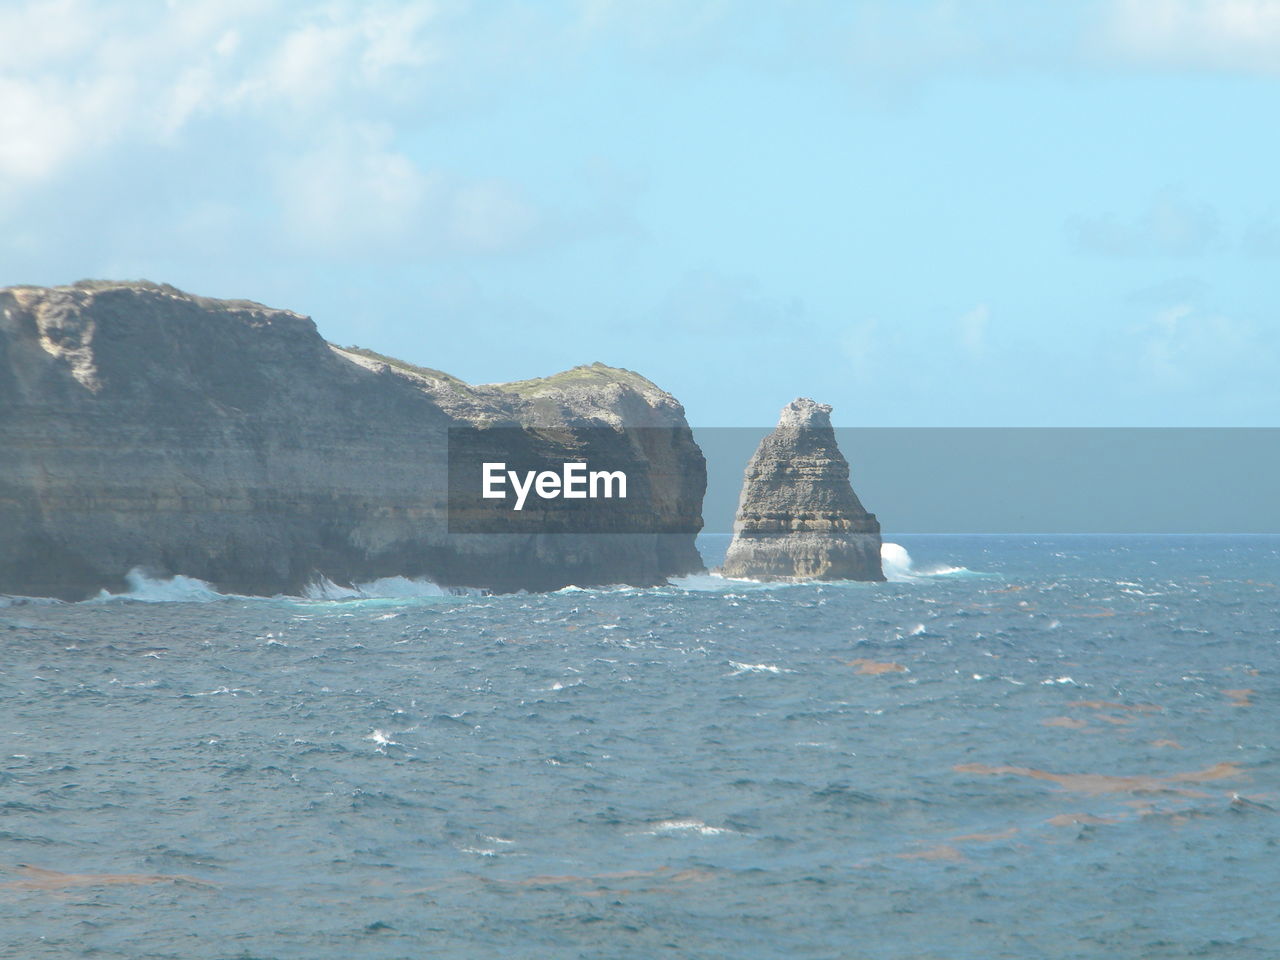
147,589
181,589
899,568
143,588
715,583
384,588
685,825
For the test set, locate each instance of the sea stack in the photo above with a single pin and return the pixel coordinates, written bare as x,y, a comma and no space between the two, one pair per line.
798,517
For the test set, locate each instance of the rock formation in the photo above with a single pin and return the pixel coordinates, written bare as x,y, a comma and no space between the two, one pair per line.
798,518
141,426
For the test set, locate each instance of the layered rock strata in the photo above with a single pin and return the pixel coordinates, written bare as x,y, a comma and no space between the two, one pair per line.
798,517
144,427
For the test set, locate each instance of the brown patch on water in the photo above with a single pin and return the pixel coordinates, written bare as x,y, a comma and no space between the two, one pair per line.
1099,783
1240,698
1113,719
1077,819
1171,744
1112,705
1071,723
874,668
985,837
941,852
38,878
600,883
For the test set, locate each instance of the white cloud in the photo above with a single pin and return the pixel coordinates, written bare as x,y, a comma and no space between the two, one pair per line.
355,193
306,66
1183,344
711,302
76,76
354,190
972,330
654,23
862,345
1262,235
315,95
1229,35
488,216
1170,226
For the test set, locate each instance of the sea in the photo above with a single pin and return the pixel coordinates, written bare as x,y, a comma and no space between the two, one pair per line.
1018,747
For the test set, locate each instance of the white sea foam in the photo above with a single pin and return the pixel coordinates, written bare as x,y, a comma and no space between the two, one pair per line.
229,691
147,589
752,668
698,581
715,583
686,825
895,560
601,588
382,739
899,568
384,588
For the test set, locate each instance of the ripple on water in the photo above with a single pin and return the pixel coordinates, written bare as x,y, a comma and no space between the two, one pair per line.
1074,749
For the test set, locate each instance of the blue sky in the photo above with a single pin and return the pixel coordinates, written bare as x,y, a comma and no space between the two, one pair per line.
925,213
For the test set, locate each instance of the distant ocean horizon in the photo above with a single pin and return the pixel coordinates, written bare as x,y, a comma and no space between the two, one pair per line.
1020,745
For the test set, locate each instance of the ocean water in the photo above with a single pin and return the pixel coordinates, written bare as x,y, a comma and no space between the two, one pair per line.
1021,747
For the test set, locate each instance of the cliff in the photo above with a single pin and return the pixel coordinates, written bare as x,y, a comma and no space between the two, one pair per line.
798,517
141,426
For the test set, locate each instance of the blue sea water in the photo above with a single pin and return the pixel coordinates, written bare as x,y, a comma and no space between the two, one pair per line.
1021,747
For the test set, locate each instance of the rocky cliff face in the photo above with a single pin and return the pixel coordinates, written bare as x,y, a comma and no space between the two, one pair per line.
144,427
798,518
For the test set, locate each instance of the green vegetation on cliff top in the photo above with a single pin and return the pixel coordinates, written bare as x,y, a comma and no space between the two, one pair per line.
585,376
588,375
405,365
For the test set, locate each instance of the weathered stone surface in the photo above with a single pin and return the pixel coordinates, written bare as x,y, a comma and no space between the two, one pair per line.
144,427
798,517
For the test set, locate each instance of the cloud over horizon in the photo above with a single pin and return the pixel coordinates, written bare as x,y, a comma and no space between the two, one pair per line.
739,174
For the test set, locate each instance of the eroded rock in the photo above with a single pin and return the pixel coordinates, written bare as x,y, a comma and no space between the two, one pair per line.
141,426
798,517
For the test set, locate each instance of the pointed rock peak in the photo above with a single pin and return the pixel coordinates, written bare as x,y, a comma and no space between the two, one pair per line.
804,413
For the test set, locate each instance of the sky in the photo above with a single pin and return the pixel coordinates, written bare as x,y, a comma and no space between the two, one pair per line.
923,212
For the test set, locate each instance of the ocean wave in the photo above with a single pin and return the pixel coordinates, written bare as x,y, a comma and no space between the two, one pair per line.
715,583
143,588
603,588
8,600
384,588
753,668
900,568
894,560
382,739
146,589
685,825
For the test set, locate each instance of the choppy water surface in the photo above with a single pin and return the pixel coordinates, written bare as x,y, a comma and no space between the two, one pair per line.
1063,749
